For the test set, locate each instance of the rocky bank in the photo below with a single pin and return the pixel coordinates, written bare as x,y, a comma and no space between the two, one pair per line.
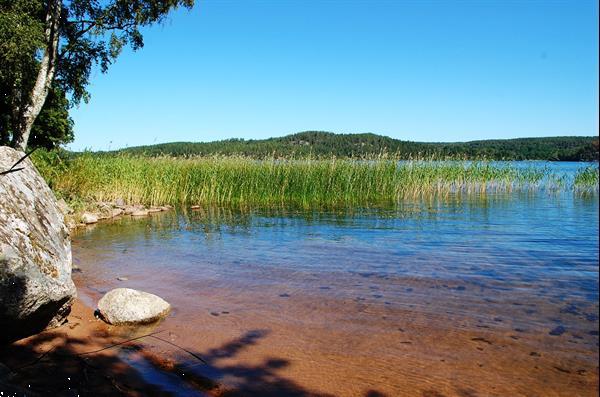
36,289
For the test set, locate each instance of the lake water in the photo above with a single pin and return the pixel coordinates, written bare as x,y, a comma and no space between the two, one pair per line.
471,295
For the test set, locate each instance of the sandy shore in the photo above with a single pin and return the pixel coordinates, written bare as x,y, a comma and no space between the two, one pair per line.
88,357
85,356
304,334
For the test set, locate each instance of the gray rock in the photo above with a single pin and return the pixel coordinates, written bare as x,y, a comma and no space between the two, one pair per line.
116,212
88,218
130,209
120,202
64,207
70,222
104,211
139,213
128,306
36,289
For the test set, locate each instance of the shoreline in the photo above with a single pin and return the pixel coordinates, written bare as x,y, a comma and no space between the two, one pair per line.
86,355
294,337
78,357
96,212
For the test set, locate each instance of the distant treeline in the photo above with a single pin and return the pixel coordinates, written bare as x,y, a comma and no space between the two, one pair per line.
327,144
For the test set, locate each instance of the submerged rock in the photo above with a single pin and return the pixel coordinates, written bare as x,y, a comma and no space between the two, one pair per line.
128,306
36,290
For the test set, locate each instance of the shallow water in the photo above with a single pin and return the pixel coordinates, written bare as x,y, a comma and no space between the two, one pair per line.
470,295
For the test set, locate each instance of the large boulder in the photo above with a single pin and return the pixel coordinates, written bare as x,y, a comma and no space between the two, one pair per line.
128,306
36,289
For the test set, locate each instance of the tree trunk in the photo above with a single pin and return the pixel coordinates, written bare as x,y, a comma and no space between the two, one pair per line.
38,94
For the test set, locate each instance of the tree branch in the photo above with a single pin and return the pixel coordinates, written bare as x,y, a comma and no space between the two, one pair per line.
82,32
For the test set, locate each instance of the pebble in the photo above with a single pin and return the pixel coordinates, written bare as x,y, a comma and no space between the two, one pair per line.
558,331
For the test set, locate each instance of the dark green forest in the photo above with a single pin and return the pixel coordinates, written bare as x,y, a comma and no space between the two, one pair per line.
327,144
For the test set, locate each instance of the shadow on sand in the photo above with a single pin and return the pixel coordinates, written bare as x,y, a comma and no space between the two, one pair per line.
57,363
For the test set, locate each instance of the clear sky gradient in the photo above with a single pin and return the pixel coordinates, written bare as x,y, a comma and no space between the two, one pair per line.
415,70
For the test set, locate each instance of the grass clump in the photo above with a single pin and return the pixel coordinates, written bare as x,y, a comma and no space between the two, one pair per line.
586,179
243,181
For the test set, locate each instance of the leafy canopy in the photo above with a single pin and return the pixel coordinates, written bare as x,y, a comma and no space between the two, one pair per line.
90,33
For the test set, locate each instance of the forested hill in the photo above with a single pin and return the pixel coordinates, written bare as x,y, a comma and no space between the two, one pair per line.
321,144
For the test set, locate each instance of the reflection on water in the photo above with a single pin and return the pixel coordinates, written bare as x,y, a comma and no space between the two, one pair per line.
523,239
425,283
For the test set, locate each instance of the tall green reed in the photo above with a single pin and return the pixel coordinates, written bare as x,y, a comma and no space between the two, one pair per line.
306,183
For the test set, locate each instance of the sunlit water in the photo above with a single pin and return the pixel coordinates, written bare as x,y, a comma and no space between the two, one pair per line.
482,294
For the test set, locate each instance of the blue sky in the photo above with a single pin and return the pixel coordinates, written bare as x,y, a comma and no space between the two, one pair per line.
415,70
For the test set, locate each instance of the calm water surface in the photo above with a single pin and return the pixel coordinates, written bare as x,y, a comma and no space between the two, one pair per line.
464,295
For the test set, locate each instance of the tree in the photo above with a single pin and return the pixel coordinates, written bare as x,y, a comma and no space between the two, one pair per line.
53,126
50,46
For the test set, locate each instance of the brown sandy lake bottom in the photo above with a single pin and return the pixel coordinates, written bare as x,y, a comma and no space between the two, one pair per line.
492,295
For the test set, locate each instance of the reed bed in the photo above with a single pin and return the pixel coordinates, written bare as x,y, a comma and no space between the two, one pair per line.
318,183
586,179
